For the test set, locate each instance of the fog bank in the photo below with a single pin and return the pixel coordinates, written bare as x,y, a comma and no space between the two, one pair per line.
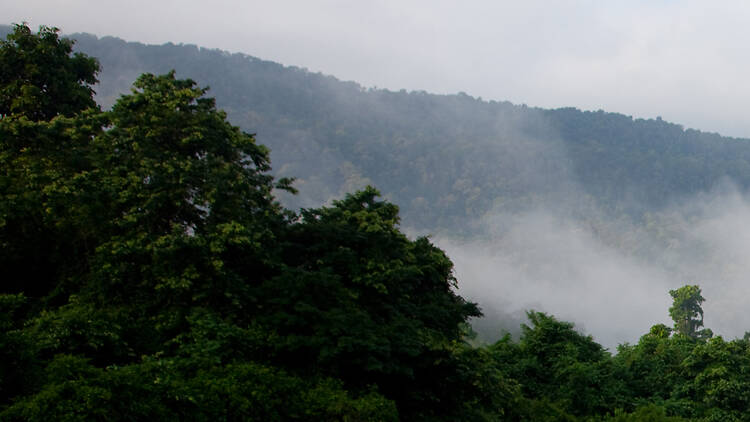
610,277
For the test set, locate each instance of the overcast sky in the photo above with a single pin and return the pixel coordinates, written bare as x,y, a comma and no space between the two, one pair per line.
686,61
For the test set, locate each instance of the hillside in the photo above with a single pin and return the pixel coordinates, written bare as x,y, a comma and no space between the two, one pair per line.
445,159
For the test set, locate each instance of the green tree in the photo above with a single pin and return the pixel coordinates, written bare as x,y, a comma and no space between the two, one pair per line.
47,119
687,313
560,370
41,78
360,301
716,381
188,214
652,370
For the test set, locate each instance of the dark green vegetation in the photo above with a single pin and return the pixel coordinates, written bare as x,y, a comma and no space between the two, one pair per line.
149,274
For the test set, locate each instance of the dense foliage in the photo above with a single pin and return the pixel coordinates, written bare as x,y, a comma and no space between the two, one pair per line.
151,275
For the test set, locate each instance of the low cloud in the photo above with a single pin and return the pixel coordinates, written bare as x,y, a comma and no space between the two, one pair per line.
611,278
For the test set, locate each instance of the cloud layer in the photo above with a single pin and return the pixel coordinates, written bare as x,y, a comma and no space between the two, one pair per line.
610,277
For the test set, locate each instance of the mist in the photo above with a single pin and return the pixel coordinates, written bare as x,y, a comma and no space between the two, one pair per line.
611,278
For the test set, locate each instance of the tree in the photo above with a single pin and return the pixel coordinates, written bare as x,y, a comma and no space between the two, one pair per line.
685,310
41,78
715,379
360,301
651,368
187,209
559,368
47,119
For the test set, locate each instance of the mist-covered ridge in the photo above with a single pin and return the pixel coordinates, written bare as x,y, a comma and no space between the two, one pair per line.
447,160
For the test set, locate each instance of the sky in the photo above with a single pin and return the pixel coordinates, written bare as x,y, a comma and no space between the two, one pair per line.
685,61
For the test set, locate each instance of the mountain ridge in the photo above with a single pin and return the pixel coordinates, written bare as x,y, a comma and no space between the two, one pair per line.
447,160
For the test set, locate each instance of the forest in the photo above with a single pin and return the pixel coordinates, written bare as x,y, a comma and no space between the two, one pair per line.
152,273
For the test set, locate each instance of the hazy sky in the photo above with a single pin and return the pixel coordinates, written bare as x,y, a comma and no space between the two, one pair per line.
686,61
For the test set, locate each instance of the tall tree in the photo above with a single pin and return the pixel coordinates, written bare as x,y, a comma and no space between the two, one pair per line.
687,313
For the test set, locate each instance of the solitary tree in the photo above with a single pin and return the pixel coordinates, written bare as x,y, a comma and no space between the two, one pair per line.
685,312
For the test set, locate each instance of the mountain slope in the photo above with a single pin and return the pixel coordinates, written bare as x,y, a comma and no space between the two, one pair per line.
447,160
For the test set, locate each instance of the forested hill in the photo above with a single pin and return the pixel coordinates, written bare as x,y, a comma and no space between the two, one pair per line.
445,159
149,272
